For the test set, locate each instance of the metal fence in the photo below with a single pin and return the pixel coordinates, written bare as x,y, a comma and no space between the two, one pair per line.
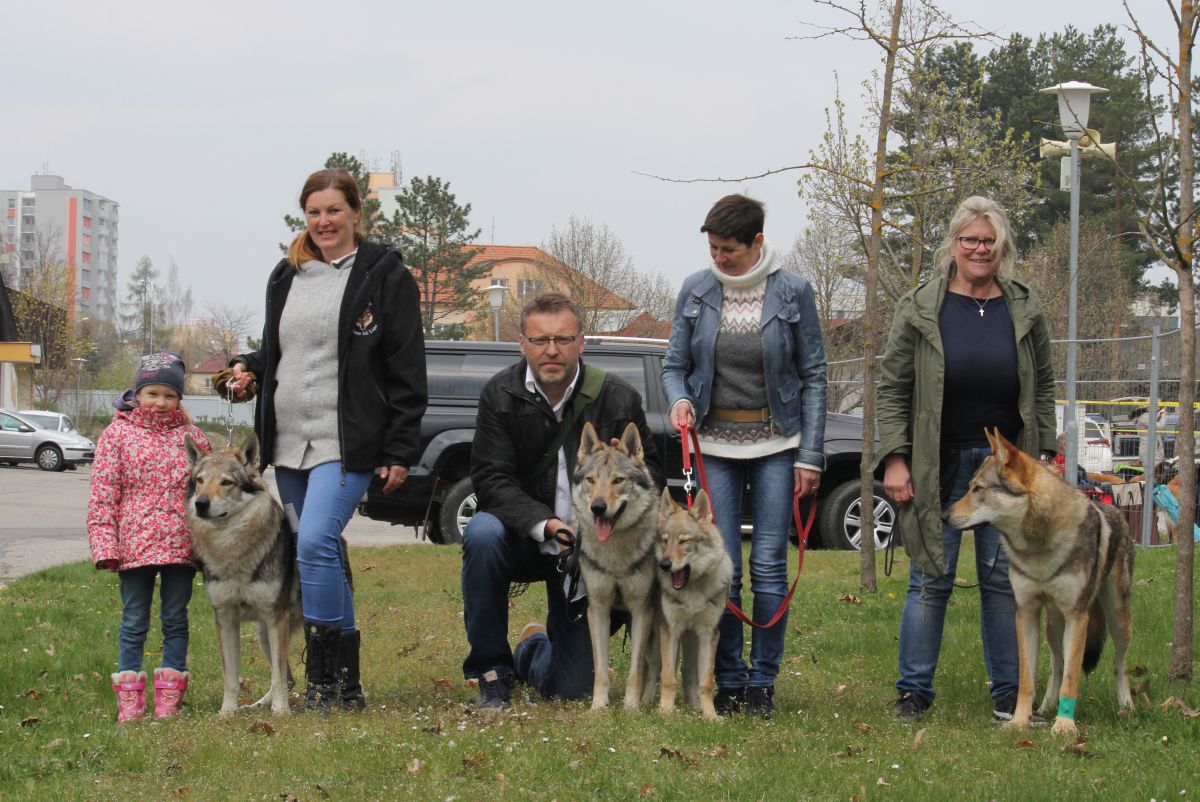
208,409
1121,382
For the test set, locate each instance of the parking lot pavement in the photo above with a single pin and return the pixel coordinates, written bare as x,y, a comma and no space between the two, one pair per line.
43,520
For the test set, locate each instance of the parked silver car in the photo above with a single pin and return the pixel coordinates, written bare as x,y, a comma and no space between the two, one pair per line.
24,438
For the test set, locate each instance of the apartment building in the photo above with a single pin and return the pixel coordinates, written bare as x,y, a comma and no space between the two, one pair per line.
53,222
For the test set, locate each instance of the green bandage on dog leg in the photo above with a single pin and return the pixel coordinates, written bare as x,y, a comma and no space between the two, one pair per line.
1066,708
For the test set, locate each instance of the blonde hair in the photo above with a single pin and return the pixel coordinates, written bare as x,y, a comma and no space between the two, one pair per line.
303,249
975,208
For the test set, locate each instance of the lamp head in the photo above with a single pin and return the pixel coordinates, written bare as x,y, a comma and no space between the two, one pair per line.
1074,105
496,293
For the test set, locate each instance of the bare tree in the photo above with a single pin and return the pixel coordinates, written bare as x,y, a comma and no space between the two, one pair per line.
1167,221
589,264
833,265
229,327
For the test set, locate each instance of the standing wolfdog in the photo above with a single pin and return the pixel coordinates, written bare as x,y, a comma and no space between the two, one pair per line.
249,560
692,553
1066,554
616,517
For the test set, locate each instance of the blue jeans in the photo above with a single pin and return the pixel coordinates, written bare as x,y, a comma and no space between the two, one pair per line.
137,594
324,498
772,480
924,613
558,663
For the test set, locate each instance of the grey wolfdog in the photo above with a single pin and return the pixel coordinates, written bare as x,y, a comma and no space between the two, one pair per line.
692,554
616,515
248,555
1066,554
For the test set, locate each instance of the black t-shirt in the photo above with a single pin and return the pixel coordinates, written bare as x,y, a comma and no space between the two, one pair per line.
981,386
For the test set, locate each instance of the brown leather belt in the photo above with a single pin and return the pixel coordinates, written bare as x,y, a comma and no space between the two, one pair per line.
741,415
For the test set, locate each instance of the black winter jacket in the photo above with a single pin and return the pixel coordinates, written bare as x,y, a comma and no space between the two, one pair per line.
514,427
381,362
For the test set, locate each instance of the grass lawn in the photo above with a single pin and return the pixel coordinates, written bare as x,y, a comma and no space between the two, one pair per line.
832,738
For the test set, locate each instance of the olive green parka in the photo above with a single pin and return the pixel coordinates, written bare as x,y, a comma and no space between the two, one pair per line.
911,386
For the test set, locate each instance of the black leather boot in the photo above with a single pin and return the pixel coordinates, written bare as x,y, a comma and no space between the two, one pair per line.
321,666
352,693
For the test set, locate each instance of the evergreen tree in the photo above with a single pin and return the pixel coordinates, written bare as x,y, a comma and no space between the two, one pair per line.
433,232
370,206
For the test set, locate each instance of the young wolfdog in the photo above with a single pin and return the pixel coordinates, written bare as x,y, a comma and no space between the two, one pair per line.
616,518
1067,554
692,553
249,560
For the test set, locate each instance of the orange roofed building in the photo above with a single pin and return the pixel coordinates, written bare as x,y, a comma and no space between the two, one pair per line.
522,271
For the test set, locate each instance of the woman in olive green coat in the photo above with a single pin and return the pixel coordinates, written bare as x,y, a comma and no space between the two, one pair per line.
967,349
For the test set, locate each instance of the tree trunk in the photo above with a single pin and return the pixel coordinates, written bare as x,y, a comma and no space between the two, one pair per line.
1181,635
866,475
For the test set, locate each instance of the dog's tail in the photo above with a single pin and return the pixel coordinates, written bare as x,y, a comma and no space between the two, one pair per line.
1097,632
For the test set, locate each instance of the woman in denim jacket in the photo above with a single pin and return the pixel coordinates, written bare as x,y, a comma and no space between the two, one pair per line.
746,368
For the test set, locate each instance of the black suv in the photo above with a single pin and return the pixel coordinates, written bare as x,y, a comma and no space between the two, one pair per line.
438,494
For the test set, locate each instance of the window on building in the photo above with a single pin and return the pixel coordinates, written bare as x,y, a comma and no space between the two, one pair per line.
87,258
28,203
87,222
87,239
528,287
86,292
87,204
12,203
86,275
26,219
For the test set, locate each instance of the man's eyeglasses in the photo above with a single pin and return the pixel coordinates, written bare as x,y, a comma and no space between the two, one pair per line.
971,243
561,342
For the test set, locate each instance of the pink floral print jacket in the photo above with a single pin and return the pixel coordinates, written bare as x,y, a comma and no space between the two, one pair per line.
136,514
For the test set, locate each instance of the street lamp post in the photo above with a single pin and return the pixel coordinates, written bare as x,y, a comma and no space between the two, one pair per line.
79,363
1074,102
496,293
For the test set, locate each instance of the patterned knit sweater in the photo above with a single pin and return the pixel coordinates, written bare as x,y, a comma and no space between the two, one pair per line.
136,513
738,368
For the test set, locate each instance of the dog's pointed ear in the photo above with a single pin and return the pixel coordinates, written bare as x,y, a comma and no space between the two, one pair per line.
193,451
251,451
588,440
998,443
631,442
666,506
702,507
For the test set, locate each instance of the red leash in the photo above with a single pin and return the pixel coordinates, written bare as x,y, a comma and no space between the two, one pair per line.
802,529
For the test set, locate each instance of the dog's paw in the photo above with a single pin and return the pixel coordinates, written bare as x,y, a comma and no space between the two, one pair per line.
281,711
1064,726
1015,724
227,712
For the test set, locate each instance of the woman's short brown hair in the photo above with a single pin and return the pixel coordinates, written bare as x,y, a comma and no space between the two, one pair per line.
303,249
735,217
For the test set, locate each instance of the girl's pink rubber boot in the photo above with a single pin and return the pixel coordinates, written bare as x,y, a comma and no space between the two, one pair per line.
169,686
130,688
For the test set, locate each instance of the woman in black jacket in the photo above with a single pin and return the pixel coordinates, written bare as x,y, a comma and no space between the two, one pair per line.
341,372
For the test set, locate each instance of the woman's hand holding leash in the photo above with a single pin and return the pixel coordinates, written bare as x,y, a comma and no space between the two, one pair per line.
807,482
681,415
240,381
897,481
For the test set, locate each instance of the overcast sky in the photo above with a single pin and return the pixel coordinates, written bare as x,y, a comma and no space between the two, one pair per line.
202,119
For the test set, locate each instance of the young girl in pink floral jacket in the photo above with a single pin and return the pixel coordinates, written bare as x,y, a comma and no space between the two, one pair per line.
137,526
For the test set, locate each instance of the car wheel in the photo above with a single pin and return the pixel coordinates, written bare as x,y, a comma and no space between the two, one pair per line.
458,507
841,518
49,458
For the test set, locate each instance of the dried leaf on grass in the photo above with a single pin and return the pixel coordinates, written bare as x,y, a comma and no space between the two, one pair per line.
582,747
179,792
503,781
850,598
32,693
667,751
1078,749
30,721
644,790
443,684
1173,702
261,726
861,725
883,782
850,751
1025,743
475,762
414,766
919,738
839,690
288,796
172,769
321,788
721,751
55,743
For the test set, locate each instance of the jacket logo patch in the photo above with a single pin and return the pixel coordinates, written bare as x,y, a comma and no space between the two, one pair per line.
366,323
